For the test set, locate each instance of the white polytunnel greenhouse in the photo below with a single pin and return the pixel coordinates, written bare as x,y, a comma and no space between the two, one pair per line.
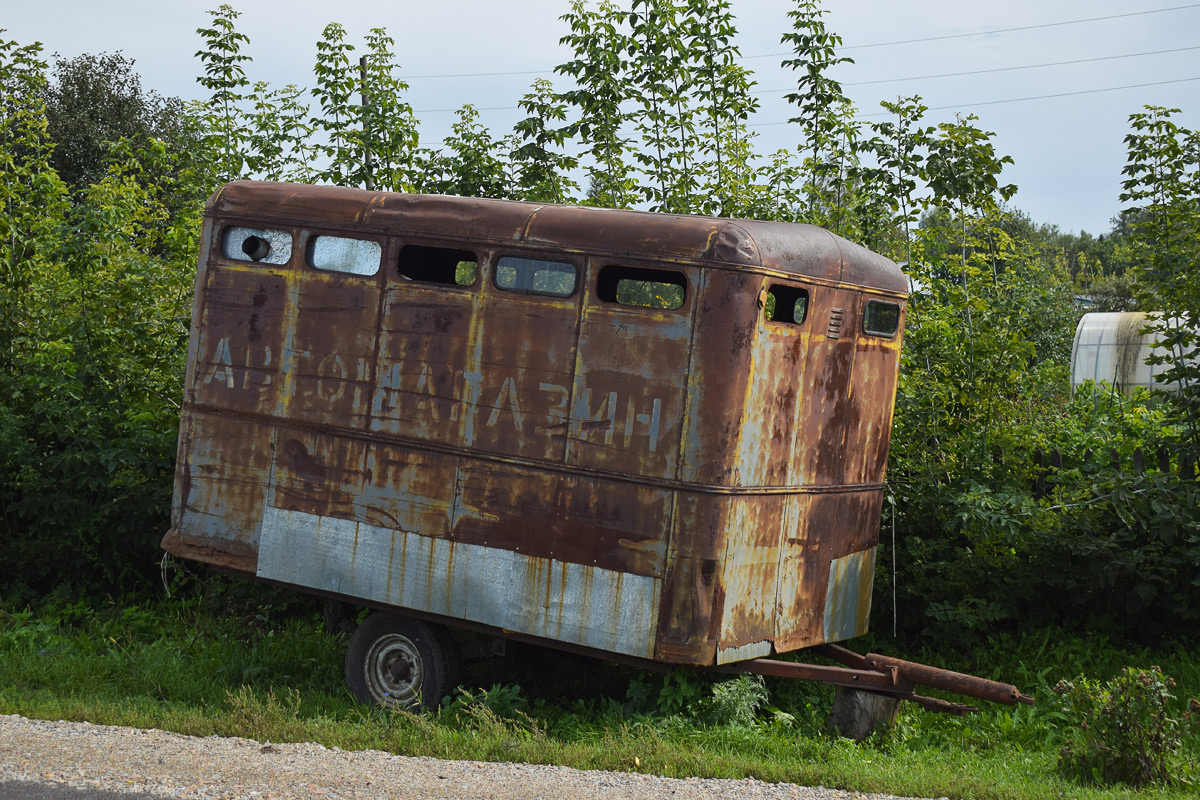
1113,347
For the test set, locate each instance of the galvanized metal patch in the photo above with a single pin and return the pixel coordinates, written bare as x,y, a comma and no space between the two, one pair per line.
568,602
728,655
848,595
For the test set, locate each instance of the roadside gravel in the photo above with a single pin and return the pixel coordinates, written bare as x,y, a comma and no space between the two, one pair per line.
162,764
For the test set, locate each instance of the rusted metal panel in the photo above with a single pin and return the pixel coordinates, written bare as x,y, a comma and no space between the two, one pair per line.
222,553
328,359
823,527
427,376
613,525
240,335
724,330
628,399
750,563
319,473
526,348
407,489
225,464
819,457
872,394
695,485
774,400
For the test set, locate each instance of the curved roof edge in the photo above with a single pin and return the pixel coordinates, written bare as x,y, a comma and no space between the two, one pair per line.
796,248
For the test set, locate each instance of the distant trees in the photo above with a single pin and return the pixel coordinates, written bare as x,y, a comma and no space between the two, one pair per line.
94,101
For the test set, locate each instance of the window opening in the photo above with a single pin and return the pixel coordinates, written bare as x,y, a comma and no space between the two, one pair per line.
881,318
342,254
536,276
442,265
259,245
638,286
787,304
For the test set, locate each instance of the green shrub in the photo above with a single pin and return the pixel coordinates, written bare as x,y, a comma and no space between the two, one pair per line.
1123,731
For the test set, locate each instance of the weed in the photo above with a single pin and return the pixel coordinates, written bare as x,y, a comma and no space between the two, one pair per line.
1122,731
499,712
736,702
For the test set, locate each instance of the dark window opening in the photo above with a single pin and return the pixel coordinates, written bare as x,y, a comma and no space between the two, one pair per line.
438,265
536,276
881,319
635,286
788,304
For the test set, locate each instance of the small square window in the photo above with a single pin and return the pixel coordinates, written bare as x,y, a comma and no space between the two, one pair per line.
787,304
260,245
442,265
881,318
649,288
536,276
342,254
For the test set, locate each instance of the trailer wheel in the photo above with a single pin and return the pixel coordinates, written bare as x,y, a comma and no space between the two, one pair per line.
858,713
397,662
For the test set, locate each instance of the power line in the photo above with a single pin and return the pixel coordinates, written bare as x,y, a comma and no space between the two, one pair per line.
451,110
1061,94
993,31
881,114
999,69
1014,99
479,74
852,47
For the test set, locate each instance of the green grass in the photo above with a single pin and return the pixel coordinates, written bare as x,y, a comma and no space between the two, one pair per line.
259,665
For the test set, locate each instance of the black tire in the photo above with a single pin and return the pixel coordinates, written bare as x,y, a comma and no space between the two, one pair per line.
397,662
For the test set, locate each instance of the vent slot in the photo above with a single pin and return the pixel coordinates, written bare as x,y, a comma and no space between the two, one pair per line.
835,323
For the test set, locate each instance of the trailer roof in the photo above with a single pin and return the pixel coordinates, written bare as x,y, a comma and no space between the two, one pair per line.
803,250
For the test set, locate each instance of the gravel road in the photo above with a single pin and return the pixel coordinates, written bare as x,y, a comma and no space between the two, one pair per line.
161,764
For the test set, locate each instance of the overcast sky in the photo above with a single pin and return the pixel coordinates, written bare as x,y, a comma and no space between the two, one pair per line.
1067,145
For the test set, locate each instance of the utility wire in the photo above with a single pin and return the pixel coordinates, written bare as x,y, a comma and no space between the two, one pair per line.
451,110
478,74
1011,99
849,47
990,32
883,114
998,69
1060,94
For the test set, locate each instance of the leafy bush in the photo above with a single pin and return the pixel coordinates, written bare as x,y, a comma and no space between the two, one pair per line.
1123,731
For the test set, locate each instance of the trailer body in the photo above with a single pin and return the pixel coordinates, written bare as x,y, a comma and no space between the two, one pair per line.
651,436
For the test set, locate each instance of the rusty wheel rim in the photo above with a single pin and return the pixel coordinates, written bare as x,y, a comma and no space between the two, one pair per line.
394,671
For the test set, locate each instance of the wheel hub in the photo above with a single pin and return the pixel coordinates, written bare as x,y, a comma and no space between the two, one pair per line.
394,671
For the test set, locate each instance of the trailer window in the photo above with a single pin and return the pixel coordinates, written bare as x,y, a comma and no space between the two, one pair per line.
787,304
442,265
341,254
881,319
260,245
536,276
634,286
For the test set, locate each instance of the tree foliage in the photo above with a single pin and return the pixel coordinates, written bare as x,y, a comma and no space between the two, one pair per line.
1162,181
93,101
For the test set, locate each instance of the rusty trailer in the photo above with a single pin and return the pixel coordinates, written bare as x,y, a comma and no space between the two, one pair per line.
645,437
